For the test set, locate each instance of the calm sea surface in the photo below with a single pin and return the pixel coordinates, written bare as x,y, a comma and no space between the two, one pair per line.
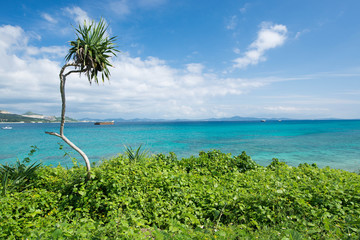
327,143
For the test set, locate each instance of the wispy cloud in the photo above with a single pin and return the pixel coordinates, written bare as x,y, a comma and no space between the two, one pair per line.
77,14
269,36
351,92
282,109
124,8
300,33
150,3
236,50
121,8
296,111
244,9
232,23
49,18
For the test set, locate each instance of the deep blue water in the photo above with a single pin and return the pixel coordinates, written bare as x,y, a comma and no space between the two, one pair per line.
327,143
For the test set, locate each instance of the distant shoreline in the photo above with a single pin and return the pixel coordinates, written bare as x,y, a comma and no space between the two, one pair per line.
189,120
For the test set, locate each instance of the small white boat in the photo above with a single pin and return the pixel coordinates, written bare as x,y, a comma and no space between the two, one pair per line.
6,128
263,120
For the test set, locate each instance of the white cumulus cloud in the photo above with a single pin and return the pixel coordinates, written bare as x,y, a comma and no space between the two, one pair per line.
151,88
25,81
11,36
269,36
138,87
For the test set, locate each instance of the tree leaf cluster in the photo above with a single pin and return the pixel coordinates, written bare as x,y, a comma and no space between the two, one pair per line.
92,50
135,155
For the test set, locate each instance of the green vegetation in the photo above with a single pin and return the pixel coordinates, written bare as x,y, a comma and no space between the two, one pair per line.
212,196
135,155
30,113
18,176
18,118
92,50
9,117
68,119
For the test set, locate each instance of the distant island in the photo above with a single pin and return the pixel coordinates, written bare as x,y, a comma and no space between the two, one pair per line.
29,117
230,119
225,119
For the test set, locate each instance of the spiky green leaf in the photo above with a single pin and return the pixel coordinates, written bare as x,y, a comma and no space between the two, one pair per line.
92,50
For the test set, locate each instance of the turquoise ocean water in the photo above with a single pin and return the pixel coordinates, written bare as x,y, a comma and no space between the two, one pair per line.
327,143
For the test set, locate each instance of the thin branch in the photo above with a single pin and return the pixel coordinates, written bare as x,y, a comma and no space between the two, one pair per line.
73,64
73,146
65,66
74,71
54,134
221,213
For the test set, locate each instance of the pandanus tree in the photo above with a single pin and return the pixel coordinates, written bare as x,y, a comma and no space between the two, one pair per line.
89,54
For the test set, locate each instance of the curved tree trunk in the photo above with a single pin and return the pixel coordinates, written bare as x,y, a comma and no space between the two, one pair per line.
63,106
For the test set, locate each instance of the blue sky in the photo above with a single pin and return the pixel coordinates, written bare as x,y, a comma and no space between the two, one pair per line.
188,59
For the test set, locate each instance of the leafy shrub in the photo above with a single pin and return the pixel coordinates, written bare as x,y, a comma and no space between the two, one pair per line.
168,160
245,163
275,163
216,163
214,196
18,176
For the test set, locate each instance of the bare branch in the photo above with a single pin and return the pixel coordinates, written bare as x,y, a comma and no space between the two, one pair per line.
65,66
73,71
54,134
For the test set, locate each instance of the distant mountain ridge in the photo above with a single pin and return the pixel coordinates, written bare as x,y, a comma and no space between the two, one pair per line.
31,113
228,119
235,118
29,116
